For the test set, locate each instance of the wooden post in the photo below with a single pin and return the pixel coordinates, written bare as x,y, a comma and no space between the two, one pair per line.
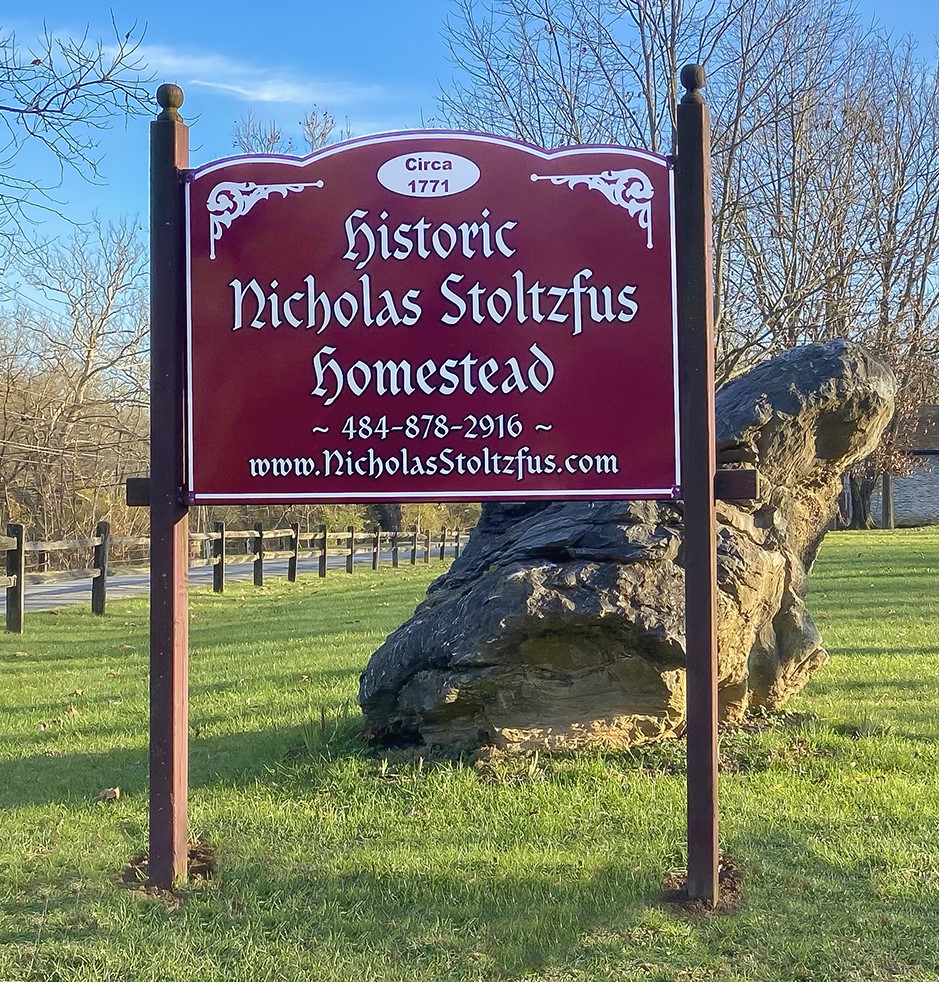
394,549
350,559
456,543
99,562
218,554
414,547
16,568
169,513
887,519
696,366
443,543
259,555
295,558
324,555
376,548
427,547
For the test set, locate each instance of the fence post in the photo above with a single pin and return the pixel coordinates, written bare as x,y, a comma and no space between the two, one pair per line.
414,547
427,547
295,558
350,559
99,585
16,568
443,543
376,547
259,551
456,544
218,554
325,553
394,549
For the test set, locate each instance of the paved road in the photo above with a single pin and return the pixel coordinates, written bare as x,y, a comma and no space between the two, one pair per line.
45,596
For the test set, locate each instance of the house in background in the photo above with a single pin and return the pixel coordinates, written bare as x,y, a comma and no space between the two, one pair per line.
916,496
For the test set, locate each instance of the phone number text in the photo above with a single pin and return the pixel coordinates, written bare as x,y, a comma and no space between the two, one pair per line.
435,426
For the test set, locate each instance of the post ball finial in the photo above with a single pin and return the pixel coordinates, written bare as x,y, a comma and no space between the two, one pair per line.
693,78
170,99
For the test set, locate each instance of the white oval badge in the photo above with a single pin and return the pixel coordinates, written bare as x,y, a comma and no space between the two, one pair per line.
431,174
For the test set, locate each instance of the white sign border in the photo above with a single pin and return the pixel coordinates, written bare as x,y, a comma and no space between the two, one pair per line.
219,497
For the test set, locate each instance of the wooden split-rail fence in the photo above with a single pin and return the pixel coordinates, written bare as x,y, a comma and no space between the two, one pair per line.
371,549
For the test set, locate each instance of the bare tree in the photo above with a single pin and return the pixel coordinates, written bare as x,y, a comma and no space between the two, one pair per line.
825,181
318,127
74,420
317,130
784,153
253,135
60,94
597,72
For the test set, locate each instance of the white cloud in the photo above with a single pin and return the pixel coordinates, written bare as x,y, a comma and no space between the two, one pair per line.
254,83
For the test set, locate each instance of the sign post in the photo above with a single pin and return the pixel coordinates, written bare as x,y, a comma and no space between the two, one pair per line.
169,520
696,368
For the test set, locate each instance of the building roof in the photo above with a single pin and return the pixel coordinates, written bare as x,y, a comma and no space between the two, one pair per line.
924,431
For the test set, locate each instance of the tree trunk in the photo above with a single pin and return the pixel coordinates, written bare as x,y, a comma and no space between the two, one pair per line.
861,490
887,492
842,518
387,515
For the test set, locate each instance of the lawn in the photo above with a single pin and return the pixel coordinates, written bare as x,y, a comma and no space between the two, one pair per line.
339,864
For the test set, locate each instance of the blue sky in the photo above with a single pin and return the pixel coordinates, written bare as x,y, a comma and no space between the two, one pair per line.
377,62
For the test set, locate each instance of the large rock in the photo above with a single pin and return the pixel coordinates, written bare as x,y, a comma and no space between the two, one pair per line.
562,623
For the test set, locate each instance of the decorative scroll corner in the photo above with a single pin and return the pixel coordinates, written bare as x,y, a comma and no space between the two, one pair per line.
630,189
229,200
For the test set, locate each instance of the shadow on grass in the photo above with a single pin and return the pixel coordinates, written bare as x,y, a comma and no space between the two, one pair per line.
865,651
463,920
58,717
74,779
474,919
468,912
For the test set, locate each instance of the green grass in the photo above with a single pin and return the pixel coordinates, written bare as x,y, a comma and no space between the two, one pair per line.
337,864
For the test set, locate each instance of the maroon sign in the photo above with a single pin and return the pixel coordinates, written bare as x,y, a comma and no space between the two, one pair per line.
432,316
